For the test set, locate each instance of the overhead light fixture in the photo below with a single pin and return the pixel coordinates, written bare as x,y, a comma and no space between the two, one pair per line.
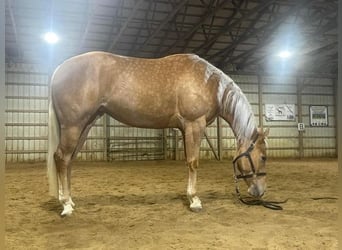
285,54
51,37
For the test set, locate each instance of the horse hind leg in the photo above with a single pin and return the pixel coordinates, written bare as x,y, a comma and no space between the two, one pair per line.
72,139
69,140
192,139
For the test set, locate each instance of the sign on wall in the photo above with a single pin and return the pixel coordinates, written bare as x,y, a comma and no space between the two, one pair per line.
318,116
280,112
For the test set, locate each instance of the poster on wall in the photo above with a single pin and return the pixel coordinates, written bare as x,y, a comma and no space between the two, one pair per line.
280,112
318,116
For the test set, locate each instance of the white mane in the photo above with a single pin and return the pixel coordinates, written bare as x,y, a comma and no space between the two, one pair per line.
239,112
235,107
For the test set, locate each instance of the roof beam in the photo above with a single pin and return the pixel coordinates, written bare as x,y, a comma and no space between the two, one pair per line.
326,47
124,26
248,35
235,12
143,23
159,53
307,55
213,15
89,18
228,26
324,62
260,43
187,37
332,24
323,47
169,17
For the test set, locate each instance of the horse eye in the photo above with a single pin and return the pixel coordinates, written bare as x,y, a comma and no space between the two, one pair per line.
263,158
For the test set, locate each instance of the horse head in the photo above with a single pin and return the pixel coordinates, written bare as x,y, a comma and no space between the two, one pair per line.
250,163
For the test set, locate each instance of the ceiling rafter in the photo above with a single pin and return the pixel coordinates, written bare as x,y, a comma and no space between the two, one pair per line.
173,26
238,33
262,42
329,46
325,61
209,14
186,8
209,26
178,28
332,24
267,26
259,60
207,45
249,29
149,22
89,19
171,15
143,23
229,25
124,26
187,37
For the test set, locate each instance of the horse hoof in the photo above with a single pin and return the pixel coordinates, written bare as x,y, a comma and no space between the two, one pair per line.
195,209
67,211
196,205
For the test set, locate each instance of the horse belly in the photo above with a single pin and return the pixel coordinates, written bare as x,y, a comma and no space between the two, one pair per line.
144,114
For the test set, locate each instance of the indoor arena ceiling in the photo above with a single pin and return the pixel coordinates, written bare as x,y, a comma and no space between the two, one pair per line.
245,35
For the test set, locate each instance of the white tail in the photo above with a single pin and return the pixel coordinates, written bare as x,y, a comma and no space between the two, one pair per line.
52,146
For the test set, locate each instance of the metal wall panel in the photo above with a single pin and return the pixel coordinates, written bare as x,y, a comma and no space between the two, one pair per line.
283,138
128,143
319,141
26,112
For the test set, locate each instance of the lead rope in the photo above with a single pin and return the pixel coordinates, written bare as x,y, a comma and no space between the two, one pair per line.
257,202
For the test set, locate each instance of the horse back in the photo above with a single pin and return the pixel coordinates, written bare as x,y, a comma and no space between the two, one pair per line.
137,91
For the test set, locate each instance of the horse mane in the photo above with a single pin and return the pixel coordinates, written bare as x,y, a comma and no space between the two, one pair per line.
235,107
238,112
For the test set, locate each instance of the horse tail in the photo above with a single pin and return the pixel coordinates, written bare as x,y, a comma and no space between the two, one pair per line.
52,146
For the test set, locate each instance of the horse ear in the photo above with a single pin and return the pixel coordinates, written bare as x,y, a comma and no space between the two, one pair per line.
266,132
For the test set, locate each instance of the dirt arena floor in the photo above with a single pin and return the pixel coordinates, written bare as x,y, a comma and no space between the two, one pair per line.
142,205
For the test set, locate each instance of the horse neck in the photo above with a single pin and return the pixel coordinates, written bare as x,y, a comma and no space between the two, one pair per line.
237,111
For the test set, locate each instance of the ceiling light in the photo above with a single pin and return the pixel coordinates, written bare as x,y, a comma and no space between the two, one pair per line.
284,54
51,37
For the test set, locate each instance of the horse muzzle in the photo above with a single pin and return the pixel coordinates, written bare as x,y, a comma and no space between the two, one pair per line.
257,189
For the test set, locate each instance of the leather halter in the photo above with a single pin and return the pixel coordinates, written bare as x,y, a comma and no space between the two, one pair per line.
253,174
247,154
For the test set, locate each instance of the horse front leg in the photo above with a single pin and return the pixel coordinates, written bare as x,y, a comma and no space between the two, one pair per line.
195,202
192,139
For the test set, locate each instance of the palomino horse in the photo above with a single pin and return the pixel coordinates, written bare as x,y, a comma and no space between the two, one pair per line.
179,91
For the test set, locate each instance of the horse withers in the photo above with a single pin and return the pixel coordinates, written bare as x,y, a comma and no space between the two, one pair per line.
179,91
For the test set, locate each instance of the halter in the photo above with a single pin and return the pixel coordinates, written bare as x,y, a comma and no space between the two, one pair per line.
247,154
253,174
